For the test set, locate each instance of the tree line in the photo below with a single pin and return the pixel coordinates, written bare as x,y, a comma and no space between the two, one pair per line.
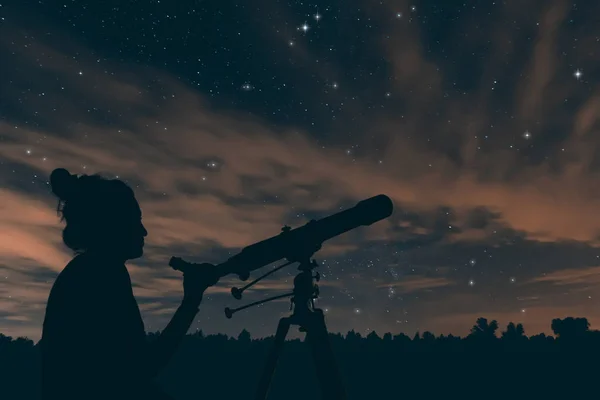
372,366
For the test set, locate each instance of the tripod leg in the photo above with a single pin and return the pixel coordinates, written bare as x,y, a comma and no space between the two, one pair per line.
325,365
265,381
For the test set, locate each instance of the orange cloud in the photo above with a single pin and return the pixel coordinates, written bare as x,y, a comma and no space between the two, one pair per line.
417,283
589,276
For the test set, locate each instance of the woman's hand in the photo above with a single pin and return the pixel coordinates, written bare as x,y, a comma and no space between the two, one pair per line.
196,280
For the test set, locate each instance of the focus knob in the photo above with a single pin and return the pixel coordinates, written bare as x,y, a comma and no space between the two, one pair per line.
236,292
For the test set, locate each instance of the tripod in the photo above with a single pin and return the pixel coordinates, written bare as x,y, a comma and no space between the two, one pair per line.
310,320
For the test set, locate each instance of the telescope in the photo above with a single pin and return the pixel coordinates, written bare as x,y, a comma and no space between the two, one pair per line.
299,245
302,242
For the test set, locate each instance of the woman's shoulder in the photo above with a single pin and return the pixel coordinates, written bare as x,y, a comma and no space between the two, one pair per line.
90,271
85,279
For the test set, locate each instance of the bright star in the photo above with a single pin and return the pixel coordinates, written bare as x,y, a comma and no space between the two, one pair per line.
578,74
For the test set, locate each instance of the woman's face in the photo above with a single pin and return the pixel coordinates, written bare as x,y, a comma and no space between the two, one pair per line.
127,232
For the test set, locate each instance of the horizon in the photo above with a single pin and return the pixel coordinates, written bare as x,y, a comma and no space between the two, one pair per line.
231,122
498,333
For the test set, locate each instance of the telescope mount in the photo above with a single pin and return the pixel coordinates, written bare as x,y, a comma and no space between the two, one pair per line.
310,320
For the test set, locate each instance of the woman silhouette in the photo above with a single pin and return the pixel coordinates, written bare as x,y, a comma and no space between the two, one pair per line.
93,341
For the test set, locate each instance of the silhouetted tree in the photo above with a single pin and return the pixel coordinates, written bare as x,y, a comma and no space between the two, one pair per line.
244,337
483,333
570,327
514,336
373,337
484,329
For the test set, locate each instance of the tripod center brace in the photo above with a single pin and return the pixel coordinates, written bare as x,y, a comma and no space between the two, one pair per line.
310,320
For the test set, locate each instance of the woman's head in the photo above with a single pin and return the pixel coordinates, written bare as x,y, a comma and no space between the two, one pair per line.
100,214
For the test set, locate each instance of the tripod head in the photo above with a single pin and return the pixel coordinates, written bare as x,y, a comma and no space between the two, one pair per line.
303,295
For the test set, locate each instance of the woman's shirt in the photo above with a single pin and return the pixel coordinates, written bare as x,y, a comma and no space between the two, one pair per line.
93,341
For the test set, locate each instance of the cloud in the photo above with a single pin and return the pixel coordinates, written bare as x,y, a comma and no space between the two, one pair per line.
541,71
589,276
29,232
417,283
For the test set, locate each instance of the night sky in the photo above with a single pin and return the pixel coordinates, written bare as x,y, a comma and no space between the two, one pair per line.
478,118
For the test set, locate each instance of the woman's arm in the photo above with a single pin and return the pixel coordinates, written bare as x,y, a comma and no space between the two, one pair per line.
161,351
195,281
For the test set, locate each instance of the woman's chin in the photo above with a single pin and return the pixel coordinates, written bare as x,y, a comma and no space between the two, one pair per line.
136,252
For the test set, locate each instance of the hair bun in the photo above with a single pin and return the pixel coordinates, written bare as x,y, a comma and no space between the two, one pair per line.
63,183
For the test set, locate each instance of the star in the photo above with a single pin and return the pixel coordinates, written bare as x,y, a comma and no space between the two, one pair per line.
471,282
578,74
317,16
391,292
527,135
399,15
512,279
304,27
472,261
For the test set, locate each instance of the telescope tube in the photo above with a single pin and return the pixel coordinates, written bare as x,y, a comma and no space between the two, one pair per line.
305,240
